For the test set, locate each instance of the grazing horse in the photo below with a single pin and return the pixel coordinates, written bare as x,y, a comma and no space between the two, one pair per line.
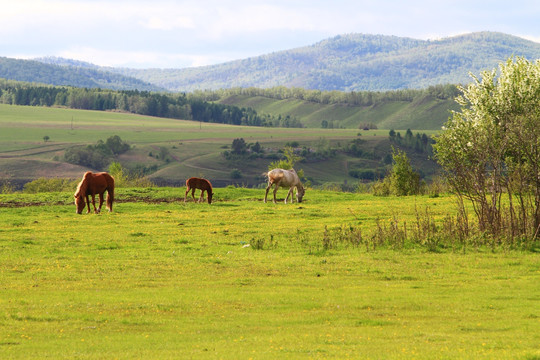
92,184
285,178
199,183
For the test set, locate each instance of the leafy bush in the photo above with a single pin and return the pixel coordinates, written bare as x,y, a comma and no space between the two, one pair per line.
96,156
123,178
382,187
236,174
89,156
50,185
7,187
401,181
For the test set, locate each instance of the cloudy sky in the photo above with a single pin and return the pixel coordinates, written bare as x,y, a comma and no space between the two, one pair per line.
178,34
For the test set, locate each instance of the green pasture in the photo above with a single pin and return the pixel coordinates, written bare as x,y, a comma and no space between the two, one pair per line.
421,114
241,279
31,124
195,148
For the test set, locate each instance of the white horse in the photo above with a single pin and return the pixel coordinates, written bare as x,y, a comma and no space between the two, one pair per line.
285,178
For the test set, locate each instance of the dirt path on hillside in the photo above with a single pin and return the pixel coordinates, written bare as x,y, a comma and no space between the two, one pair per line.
34,151
177,159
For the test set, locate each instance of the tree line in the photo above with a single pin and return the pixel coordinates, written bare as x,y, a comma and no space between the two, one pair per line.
352,98
203,106
421,143
168,105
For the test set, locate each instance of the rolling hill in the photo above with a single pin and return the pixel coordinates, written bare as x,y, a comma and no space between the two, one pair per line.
420,110
73,74
354,62
351,62
34,141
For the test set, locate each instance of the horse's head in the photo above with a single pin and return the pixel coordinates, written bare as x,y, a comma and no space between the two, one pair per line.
79,203
300,191
210,194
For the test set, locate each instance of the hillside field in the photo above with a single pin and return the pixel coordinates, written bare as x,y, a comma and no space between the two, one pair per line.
241,279
194,149
425,113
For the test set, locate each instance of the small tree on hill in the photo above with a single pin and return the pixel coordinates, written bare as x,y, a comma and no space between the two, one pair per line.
116,145
239,146
402,180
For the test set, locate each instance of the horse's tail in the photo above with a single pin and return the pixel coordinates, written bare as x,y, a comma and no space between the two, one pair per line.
110,194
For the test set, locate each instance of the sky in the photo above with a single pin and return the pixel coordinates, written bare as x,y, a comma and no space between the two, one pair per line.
180,34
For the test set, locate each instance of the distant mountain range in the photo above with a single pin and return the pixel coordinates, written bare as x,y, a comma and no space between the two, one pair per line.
353,62
55,71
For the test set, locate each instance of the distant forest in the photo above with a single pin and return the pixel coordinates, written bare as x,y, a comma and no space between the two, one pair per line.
167,105
352,98
199,105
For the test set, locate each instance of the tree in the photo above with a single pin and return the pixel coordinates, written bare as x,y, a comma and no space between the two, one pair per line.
256,148
403,179
239,146
490,148
116,145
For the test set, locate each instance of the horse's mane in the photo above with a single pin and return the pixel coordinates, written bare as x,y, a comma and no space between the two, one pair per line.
83,184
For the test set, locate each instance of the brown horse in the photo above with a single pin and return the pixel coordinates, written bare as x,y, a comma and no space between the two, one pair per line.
92,184
199,183
285,178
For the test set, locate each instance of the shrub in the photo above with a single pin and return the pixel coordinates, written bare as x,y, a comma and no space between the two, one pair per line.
50,185
489,149
401,181
96,156
236,174
123,178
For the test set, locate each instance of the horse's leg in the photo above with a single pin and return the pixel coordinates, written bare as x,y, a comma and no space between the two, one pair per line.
100,202
94,203
267,188
276,184
88,204
289,193
201,198
193,194
185,196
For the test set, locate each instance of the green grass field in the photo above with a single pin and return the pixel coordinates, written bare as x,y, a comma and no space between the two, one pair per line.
426,114
195,148
240,279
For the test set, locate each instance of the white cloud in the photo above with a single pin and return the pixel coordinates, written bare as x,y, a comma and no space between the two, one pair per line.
173,33
167,24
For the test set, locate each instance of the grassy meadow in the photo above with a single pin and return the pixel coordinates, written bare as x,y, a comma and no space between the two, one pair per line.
240,279
195,149
424,113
